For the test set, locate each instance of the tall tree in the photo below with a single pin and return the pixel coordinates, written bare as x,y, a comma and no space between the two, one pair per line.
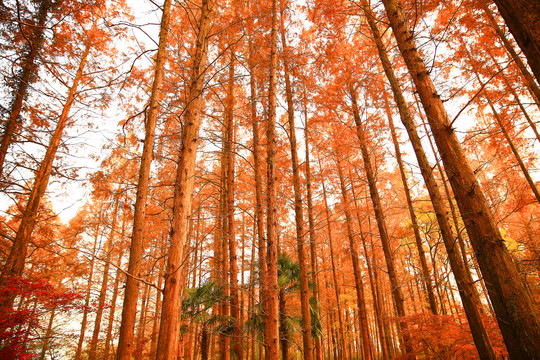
523,20
131,295
183,188
513,305
271,332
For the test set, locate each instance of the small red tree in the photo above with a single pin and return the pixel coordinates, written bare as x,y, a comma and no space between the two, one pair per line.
18,325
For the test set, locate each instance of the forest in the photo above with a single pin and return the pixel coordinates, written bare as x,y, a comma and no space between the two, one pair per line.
272,179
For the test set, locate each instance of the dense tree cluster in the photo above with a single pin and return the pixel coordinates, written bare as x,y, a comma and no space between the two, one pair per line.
270,179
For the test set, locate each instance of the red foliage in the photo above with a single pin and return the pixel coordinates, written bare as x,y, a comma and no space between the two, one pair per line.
37,297
448,336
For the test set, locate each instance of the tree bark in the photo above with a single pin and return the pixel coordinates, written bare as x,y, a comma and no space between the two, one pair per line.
84,321
104,282
29,70
298,209
360,298
129,309
341,339
397,295
15,262
229,204
426,276
523,19
108,337
512,303
183,188
271,333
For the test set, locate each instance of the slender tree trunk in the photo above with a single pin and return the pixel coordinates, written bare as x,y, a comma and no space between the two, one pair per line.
271,292
512,303
529,79
523,19
108,337
14,265
140,342
334,274
510,142
229,204
319,351
29,70
157,311
104,283
360,298
170,313
48,335
374,291
426,276
283,329
84,321
129,309
298,209
259,210
512,90
397,295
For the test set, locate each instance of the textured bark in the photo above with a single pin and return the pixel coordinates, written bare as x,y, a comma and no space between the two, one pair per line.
183,188
271,325
283,330
307,339
513,305
29,70
129,309
14,265
523,19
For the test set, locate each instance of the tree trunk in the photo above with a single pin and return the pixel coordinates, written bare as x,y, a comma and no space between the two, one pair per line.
334,275
298,209
374,290
360,298
523,19
271,292
84,321
183,188
29,70
108,337
512,303
319,350
104,282
529,79
426,276
229,218
48,335
129,309
14,265
397,295
283,329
